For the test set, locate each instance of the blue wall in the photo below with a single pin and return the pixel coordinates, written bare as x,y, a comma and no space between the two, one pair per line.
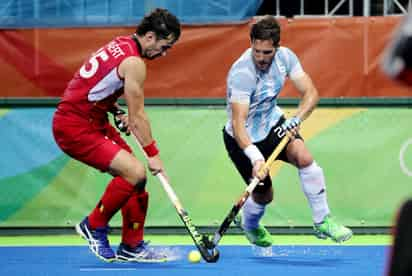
69,13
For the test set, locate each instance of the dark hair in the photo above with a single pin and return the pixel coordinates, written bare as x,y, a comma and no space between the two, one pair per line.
265,29
162,23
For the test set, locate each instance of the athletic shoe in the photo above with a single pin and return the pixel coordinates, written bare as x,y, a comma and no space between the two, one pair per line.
97,238
259,236
330,228
142,253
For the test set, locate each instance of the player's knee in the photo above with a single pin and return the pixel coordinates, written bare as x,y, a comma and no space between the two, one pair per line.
140,184
298,154
263,197
304,161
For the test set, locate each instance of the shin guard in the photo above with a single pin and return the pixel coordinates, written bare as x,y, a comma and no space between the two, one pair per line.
134,216
117,193
313,185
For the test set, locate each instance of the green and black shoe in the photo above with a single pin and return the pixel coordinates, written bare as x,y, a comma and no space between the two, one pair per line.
259,236
329,228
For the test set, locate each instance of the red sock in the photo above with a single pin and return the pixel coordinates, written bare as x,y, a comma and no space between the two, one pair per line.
117,192
134,215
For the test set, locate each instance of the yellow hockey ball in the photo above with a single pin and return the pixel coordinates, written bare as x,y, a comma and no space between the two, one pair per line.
194,256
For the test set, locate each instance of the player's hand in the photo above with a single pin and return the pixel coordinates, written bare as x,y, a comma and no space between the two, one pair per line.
155,164
122,123
291,126
257,166
121,120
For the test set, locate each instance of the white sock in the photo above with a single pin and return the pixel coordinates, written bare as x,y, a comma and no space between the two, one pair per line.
252,213
313,185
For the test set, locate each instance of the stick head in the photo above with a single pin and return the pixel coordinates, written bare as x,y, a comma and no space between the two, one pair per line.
208,251
214,256
208,242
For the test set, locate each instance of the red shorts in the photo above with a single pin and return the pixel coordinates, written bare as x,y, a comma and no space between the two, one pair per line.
95,143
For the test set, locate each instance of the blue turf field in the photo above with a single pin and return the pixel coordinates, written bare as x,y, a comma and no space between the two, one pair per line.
235,260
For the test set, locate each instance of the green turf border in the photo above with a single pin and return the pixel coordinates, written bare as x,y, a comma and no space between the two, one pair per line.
65,240
360,101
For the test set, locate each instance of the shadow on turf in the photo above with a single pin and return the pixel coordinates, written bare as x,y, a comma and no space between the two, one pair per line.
321,262
138,266
128,266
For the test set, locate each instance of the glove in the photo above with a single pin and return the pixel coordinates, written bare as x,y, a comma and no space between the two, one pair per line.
291,123
118,123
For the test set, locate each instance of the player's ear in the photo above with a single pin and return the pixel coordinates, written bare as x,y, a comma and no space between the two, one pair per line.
150,36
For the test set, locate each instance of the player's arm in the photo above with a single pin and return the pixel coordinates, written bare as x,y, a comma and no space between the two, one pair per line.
240,84
309,93
133,70
308,102
239,116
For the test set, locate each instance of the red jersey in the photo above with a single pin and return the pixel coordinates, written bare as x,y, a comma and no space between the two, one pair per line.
96,86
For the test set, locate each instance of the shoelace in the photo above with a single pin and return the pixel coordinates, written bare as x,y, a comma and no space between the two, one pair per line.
143,244
143,248
101,239
145,251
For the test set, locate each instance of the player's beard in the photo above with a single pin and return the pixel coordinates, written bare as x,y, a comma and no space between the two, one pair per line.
154,56
150,57
263,65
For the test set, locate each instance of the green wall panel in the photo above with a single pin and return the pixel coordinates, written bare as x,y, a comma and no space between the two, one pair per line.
359,155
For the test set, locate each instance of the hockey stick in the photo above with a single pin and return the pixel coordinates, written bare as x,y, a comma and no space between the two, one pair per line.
238,205
209,256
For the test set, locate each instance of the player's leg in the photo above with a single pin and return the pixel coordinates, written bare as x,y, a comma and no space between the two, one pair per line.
81,141
313,185
133,248
254,207
129,173
311,178
95,148
250,216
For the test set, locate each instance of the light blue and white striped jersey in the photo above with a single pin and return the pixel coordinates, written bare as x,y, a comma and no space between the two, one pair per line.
246,84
